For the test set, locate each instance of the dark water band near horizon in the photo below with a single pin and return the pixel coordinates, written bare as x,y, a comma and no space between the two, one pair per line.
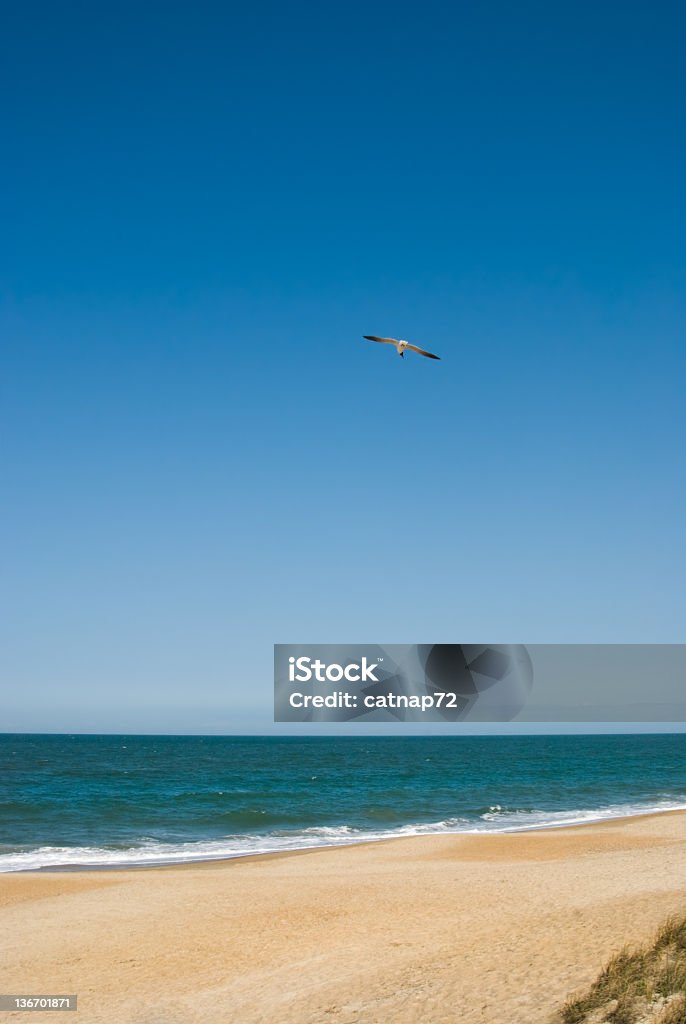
118,801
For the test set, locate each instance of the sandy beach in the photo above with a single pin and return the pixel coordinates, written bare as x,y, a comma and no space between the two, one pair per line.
491,928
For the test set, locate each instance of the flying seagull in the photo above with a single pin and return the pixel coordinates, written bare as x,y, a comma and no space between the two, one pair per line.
401,345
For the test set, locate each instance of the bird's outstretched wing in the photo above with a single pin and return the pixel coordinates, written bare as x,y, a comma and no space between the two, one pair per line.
386,341
429,355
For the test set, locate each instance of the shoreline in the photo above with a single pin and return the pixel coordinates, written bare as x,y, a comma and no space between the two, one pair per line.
484,929
259,855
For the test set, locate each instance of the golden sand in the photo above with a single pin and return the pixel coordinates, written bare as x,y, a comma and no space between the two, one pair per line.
490,928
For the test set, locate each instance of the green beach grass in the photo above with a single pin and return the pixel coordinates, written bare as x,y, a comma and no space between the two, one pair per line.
641,986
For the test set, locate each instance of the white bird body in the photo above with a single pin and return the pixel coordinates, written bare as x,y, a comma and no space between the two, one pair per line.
401,346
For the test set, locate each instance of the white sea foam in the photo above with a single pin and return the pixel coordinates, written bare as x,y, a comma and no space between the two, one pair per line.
150,852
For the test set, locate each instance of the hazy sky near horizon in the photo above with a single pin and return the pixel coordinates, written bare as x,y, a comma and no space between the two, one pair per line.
204,207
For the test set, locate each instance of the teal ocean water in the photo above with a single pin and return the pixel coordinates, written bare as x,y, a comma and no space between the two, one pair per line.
133,800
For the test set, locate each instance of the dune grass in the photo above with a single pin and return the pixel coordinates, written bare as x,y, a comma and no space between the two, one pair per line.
642,986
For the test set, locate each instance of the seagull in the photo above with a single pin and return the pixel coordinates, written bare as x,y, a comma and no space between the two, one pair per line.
401,345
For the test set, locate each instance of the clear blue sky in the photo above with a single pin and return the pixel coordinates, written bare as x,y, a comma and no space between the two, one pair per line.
204,207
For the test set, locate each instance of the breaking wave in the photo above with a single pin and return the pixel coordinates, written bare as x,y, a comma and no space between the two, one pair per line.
150,852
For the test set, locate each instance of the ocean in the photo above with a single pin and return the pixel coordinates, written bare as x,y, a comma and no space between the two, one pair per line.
115,801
